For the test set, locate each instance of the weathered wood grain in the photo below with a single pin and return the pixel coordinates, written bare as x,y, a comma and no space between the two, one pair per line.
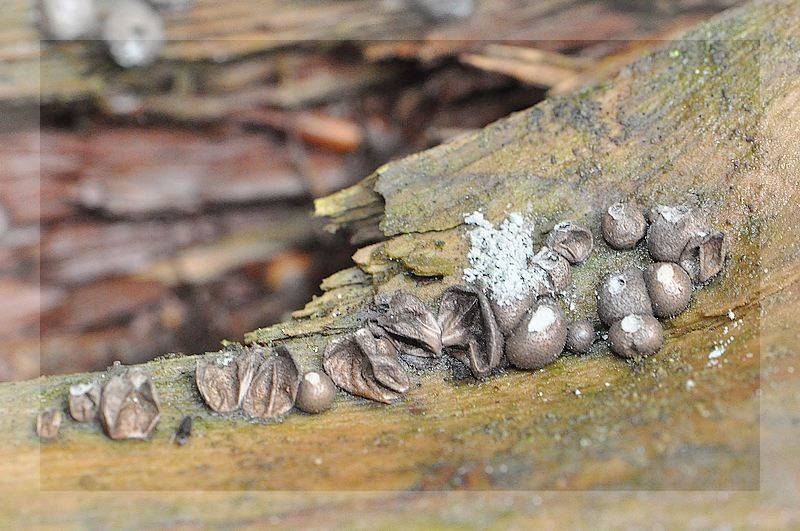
709,120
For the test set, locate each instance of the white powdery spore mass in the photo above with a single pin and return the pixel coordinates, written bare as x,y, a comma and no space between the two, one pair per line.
500,257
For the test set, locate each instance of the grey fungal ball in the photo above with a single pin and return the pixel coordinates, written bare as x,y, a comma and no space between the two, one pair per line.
635,336
704,256
48,422
67,20
539,338
669,287
556,266
580,336
316,392
621,294
571,241
134,33
509,315
623,225
670,230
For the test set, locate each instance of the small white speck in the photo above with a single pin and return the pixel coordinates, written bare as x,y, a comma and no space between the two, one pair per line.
731,315
690,384
577,392
718,351
608,384
317,461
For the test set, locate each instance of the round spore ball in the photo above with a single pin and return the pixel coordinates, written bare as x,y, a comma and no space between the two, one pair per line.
623,225
669,287
635,336
670,230
316,392
621,294
539,338
580,336
571,241
134,33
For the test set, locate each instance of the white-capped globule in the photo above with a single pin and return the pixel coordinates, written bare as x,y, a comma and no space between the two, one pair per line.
670,230
539,338
316,392
669,287
68,20
134,33
580,336
621,294
635,336
570,240
623,226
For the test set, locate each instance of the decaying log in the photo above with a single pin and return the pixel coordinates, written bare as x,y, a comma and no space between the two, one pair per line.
710,120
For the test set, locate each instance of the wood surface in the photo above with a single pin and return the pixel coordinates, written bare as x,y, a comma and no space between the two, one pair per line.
709,120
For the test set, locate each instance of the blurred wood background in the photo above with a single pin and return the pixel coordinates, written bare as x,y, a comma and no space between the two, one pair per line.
167,208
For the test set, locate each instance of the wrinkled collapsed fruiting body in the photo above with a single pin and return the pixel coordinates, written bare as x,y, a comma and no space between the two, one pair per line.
704,256
669,287
622,294
570,240
406,318
580,337
635,336
623,226
366,365
223,382
129,407
556,266
316,392
274,387
539,338
68,19
48,422
670,230
84,401
134,33
469,330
